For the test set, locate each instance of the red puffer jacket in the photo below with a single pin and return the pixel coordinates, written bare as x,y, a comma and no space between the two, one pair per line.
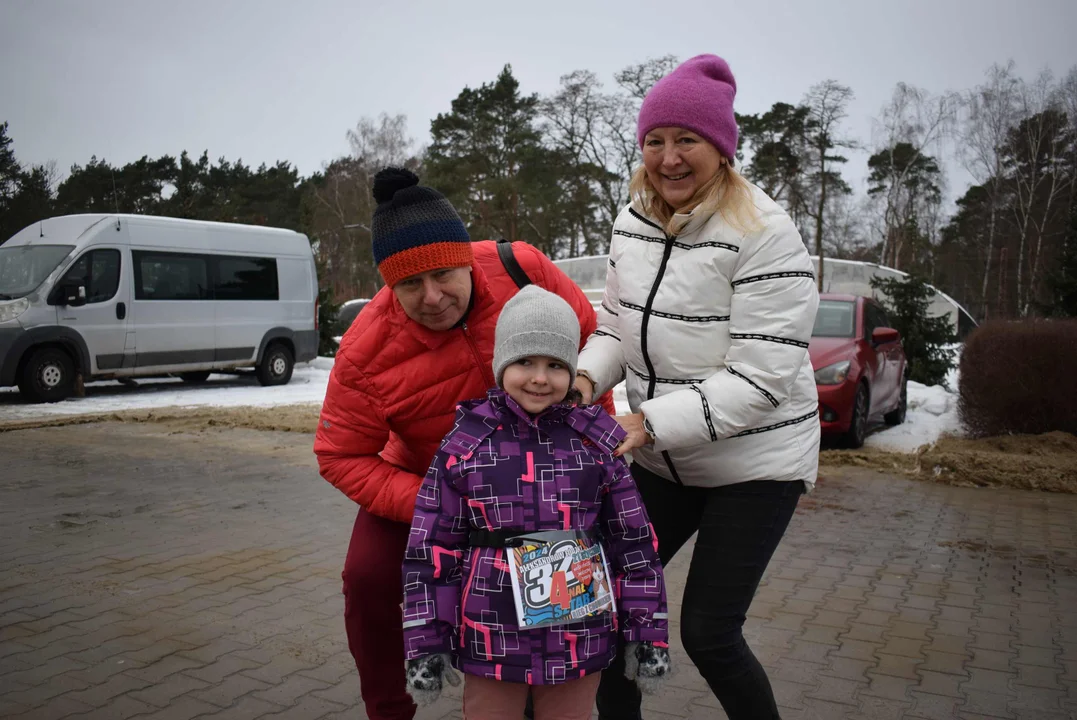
394,388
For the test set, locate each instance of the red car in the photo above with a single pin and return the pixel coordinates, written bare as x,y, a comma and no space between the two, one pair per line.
860,367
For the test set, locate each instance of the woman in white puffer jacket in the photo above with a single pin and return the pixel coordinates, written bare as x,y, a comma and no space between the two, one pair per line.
709,304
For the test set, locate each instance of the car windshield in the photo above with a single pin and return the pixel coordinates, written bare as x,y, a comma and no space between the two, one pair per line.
24,267
835,319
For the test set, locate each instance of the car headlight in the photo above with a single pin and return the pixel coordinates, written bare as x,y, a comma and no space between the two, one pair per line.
11,310
832,374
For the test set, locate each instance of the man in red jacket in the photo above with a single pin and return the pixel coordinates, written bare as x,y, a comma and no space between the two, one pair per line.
423,344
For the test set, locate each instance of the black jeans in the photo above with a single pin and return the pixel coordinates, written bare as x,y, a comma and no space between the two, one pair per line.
739,528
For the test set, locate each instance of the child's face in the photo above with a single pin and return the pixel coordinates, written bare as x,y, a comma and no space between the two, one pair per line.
536,382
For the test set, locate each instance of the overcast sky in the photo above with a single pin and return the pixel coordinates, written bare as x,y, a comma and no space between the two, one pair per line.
264,80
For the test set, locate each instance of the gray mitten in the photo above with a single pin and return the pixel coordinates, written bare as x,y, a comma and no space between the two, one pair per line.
426,676
648,665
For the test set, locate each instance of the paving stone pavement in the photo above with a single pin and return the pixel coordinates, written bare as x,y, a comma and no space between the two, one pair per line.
156,572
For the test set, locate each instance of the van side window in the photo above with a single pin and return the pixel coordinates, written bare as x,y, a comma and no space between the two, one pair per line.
171,276
244,278
99,272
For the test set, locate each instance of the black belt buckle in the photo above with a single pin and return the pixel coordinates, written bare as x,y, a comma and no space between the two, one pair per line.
495,538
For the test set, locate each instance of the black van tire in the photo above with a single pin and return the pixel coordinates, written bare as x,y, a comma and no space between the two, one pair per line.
195,378
48,376
276,366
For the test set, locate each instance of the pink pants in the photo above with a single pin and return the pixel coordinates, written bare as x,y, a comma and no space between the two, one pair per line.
487,699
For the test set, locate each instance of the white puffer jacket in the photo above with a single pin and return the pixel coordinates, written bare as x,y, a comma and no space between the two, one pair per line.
710,330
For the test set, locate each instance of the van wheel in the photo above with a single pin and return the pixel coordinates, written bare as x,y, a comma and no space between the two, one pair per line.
48,376
276,366
194,378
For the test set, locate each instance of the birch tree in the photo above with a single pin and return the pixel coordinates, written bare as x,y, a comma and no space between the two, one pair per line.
1036,166
827,104
990,111
904,172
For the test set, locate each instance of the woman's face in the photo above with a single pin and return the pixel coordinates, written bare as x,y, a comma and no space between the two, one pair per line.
678,163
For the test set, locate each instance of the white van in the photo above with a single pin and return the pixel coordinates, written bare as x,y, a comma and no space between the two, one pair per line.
114,296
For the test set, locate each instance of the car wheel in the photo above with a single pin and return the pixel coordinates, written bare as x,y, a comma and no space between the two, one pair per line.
276,366
858,426
897,415
195,378
48,376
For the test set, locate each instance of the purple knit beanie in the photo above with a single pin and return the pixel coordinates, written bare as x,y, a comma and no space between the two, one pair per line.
697,96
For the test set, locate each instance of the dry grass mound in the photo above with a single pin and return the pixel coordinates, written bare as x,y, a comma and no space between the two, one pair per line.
282,418
1046,462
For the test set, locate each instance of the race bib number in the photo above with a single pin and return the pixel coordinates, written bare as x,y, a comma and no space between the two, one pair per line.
554,583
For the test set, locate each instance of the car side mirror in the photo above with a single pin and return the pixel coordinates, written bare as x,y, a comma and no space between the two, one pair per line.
74,295
884,335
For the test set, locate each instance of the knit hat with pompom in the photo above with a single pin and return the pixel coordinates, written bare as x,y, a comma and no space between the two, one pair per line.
415,229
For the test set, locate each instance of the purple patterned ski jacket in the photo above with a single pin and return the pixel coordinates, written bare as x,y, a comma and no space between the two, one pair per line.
500,469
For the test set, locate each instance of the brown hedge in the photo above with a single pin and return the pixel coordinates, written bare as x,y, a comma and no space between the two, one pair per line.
1020,377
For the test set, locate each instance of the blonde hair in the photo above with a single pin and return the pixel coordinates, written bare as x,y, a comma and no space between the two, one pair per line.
727,193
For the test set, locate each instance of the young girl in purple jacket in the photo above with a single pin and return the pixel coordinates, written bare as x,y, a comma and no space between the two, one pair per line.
531,555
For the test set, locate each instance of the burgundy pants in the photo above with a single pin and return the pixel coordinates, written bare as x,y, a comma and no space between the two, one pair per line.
373,592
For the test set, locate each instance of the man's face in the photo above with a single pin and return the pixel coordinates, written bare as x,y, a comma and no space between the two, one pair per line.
436,299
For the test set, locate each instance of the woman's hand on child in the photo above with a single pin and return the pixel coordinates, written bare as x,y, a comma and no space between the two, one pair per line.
637,433
648,665
586,388
427,675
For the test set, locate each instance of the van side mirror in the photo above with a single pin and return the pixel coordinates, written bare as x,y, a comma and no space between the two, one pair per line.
73,295
884,335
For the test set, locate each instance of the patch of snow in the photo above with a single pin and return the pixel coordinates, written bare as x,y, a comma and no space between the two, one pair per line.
932,412
321,363
308,384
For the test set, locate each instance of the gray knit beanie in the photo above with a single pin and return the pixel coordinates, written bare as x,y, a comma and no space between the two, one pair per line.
536,322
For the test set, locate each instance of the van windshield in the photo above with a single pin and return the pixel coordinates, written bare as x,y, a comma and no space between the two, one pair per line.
24,267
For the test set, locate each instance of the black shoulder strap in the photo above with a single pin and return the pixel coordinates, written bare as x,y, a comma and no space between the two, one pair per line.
512,265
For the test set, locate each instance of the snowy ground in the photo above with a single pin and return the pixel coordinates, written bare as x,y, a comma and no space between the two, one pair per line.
932,410
307,386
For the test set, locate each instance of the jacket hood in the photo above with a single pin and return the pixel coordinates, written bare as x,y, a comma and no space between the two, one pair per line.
476,419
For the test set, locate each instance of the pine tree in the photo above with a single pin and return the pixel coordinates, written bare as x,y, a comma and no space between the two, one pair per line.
827,103
923,337
909,183
488,158
9,167
1063,280
778,140
25,193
